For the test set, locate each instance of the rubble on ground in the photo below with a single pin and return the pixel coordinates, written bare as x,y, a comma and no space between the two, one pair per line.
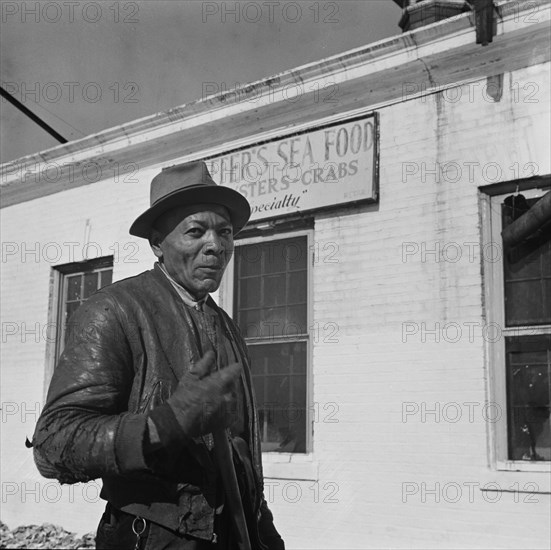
46,536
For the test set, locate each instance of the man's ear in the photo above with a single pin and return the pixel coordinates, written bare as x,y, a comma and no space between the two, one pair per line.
155,241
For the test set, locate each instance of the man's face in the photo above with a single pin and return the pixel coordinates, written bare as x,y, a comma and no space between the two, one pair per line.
195,248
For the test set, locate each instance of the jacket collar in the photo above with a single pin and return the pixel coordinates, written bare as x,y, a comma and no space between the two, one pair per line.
186,297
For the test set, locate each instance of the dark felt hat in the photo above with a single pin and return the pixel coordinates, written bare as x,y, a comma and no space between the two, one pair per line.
185,185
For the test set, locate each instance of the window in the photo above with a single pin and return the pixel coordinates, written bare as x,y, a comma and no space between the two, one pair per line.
270,298
519,292
77,282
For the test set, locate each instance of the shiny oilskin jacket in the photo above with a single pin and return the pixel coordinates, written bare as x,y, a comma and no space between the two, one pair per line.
128,346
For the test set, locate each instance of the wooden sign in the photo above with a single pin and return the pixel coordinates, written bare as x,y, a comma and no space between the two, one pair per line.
318,168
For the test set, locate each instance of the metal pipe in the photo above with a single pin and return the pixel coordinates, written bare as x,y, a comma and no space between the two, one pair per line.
528,223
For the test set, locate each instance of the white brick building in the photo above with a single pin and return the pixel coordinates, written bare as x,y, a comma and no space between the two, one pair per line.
401,429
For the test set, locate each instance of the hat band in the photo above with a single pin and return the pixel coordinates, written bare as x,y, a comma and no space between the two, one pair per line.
176,192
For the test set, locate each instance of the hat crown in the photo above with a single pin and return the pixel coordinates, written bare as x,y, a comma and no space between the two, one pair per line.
185,185
179,177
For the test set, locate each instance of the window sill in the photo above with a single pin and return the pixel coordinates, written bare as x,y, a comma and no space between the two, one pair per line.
523,466
516,477
290,466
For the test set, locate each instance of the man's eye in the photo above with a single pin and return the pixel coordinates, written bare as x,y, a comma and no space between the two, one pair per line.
195,231
226,231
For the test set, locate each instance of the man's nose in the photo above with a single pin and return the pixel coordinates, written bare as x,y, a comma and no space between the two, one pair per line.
213,244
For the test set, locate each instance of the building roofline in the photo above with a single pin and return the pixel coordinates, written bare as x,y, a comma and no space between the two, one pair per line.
365,78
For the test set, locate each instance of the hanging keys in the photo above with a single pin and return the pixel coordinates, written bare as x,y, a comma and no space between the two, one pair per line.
138,526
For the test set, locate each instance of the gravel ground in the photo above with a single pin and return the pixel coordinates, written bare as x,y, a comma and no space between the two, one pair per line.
43,536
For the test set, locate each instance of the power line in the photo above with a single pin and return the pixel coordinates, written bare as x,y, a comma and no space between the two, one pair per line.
59,118
32,116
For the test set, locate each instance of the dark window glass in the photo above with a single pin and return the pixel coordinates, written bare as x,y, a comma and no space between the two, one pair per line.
527,272
271,309
529,397
106,277
279,377
73,288
527,278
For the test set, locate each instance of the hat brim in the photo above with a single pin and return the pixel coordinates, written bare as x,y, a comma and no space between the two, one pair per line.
236,203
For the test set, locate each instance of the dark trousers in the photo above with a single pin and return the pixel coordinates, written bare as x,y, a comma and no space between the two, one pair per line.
115,533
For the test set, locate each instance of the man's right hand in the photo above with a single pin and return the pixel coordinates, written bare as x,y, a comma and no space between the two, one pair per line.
205,397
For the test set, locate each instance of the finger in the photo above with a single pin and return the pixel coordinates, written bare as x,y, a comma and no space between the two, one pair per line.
229,376
204,366
223,381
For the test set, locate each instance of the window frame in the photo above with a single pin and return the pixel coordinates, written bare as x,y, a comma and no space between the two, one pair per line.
295,465
494,300
57,301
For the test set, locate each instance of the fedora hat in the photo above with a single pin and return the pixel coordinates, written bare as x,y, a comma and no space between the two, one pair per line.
185,185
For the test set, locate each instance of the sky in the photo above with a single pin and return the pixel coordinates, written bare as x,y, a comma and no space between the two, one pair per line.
90,65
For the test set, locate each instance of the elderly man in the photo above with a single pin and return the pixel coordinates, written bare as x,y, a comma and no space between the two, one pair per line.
153,391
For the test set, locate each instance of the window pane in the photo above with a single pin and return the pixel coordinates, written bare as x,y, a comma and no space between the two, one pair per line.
69,311
275,321
249,292
297,286
249,323
523,262
90,284
295,253
296,320
106,277
279,377
74,287
524,303
71,308
275,256
529,397
527,274
274,290
249,259
297,357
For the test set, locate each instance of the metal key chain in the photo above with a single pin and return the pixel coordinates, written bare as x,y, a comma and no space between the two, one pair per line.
137,532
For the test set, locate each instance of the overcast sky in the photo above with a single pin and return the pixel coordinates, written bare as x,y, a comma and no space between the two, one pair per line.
87,66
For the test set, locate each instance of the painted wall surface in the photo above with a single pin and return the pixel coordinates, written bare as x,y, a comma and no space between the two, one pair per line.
375,479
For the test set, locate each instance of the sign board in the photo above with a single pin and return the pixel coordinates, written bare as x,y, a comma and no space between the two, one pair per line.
317,168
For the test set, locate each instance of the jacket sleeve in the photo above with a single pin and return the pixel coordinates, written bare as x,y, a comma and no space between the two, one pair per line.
266,529
85,431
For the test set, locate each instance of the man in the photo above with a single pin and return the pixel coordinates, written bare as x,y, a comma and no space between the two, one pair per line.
153,391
